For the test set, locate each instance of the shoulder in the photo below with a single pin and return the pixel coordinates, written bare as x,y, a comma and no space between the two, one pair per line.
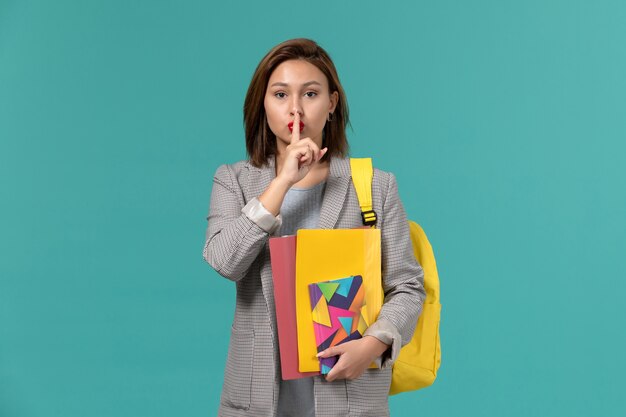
383,177
230,174
342,167
384,182
234,168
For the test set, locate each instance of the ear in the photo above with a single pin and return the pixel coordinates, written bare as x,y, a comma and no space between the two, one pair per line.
334,99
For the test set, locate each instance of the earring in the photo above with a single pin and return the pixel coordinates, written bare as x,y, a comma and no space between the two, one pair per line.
330,117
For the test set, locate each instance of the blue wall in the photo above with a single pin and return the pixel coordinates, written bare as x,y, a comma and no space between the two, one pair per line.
504,122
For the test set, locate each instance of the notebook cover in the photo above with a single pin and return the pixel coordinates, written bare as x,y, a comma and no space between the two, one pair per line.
337,314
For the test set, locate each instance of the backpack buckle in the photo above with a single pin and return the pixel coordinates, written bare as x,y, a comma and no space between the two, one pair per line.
369,217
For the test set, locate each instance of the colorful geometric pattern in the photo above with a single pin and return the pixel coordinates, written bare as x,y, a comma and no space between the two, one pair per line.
339,314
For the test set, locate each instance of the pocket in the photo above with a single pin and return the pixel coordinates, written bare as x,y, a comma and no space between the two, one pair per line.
238,373
368,395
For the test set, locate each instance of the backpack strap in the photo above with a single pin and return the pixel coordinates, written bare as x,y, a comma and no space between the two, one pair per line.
362,173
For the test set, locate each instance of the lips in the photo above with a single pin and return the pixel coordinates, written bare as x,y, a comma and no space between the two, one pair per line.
290,126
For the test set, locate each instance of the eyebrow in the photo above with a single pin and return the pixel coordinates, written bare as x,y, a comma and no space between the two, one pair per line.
306,84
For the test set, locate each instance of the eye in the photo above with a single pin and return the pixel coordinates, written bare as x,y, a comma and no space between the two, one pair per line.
310,93
280,94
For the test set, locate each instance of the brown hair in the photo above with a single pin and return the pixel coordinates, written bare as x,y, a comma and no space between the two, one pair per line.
260,140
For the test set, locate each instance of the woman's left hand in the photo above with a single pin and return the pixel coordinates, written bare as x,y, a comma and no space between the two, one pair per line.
354,357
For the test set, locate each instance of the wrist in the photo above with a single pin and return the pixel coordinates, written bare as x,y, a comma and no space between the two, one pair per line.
376,346
272,197
281,184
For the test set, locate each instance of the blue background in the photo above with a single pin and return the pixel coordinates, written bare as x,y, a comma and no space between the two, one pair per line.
505,125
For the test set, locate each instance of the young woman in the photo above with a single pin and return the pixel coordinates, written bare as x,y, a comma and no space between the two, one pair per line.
298,176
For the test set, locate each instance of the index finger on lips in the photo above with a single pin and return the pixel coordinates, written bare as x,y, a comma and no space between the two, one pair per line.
295,129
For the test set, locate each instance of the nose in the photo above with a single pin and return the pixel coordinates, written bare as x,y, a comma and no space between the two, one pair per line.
296,108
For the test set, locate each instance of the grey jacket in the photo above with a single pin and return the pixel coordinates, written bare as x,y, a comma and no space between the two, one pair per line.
237,248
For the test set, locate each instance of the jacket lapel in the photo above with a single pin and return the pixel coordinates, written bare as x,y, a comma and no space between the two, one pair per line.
336,191
260,179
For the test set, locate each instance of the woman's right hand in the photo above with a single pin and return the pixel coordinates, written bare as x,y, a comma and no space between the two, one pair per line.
300,155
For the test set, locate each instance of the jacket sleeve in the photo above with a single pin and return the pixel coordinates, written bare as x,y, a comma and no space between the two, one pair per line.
402,276
235,233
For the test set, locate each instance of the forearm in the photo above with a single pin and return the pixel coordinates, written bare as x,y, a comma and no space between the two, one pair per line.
402,307
272,198
236,233
232,250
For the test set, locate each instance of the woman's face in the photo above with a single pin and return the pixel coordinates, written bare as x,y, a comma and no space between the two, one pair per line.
297,85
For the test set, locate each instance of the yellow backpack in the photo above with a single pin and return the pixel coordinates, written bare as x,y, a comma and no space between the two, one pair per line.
416,366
